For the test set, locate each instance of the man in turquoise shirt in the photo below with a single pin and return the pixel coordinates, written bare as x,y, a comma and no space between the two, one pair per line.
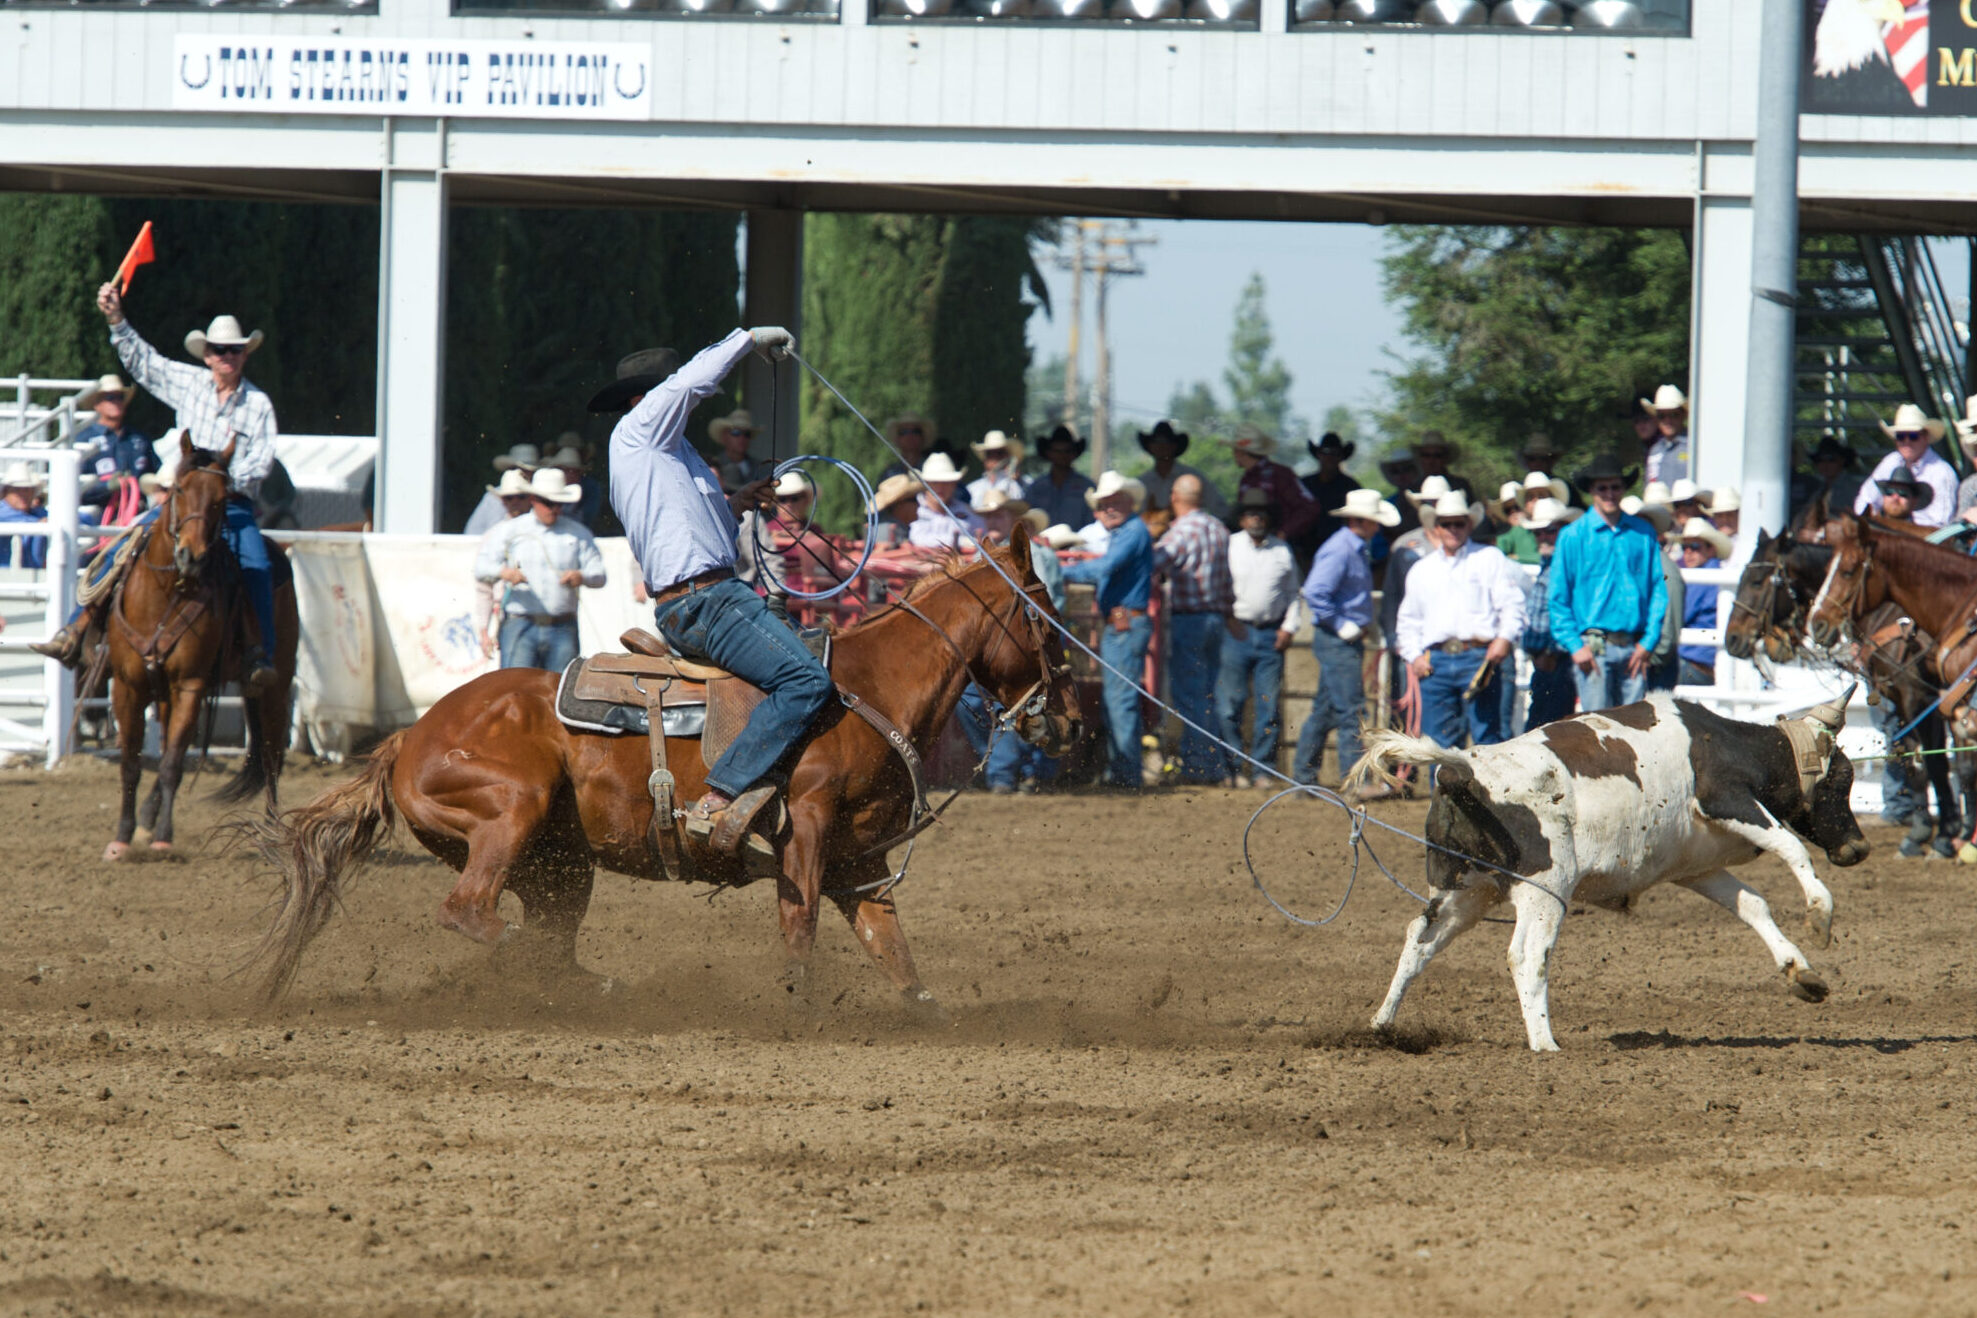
1124,578
1608,596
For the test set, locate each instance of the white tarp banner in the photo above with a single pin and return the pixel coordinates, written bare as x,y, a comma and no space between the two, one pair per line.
461,77
335,665
424,590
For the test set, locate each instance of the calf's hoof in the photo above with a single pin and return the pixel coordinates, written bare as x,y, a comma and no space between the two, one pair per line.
1805,985
1820,924
116,851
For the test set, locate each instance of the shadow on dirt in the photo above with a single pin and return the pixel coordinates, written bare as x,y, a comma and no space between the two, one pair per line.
1634,1040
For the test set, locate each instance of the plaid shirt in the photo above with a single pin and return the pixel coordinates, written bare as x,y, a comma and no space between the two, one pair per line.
246,420
1195,556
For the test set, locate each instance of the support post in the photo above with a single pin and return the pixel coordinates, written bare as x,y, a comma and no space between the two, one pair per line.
774,296
1774,270
411,326
64,517
1719,392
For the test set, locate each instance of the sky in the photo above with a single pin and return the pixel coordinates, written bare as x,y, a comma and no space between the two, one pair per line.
1171,325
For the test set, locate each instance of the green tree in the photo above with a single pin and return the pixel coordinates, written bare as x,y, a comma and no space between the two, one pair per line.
1259,383
1527,329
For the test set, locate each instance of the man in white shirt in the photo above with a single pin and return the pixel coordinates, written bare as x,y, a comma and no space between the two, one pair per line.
1913,433
954,526
1464,610
1000,457
543,558
1265,578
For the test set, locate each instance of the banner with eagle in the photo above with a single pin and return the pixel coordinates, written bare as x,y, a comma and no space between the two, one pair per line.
1890,57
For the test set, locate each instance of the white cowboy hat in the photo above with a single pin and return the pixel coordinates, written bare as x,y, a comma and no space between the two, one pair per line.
526,456
998,442
514,484
1666,399
893,489
1910,417
109,384
1455,504
1685,491
1719,544
996,500
1537,480
1549,512
1367,503
21,476
939,467
1433,488
792,483
1656,515
1657,494
1111,483
1724,500
553,486
1250,439
224,331
1061,536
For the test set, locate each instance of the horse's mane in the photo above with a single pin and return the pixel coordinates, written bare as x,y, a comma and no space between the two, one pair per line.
1944,560
948,565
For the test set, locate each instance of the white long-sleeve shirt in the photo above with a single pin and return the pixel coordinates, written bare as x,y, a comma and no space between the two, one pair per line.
934,529
1934,474
246,419
543,553
1265,578
1474,596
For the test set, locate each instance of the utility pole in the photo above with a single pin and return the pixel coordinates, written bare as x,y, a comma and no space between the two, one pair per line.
1076,264
1117,256
1774,268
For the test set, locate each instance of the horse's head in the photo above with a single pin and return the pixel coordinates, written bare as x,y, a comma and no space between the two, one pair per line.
1763,606
1022,661
196,512
1842,591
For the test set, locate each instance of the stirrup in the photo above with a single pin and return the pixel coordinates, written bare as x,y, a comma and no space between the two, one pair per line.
258,675
730,827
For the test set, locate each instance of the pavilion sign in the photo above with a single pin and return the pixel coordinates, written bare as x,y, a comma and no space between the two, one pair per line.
465,78
1905,57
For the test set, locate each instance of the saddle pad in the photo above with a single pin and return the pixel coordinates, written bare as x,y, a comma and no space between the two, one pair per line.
684,715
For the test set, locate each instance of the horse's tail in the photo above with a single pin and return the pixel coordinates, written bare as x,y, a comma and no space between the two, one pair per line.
316,849
252,775
1386,747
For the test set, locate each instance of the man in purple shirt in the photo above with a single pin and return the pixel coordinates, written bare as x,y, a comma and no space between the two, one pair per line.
1339,592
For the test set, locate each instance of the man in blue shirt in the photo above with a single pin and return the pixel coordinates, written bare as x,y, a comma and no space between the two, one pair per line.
1061,491
20,501
1339,592
1553,691
112,453
1608,596
682,528
1124,578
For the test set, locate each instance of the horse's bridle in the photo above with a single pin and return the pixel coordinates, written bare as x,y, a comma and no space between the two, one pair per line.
177,520
1035,700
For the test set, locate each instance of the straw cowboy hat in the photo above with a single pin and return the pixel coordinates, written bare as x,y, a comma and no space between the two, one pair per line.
894,489
909,421
1724,500
1165,430
1536,480
939,467
525,456
1368,503
224,332
997,500
1910,417
638,373
21,476
567,457
1455,504
1509,498
1254,500
1549,512
997,441
1251,440
792,483
1722,546
1605,467
109,384
738,420
1037,520
1657,515
514,484
551,485
1433,488
1394,462
1333,444
1111,483
1667,398
1061,536
1063,435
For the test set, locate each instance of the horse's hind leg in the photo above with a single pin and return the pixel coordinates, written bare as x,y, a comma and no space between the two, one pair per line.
130,705
496,851
875,923
554,884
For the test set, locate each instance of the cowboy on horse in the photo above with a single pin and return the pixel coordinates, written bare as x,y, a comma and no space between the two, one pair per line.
218,410
683,534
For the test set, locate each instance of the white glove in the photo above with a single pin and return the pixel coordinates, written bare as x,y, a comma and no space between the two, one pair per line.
773,342
1349,631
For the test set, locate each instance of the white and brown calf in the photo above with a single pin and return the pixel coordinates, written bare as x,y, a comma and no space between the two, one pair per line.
1599,807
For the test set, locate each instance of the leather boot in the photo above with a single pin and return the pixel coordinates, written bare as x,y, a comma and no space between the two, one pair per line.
261,676
65,646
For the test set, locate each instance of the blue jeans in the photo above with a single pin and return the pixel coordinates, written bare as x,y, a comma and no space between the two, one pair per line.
243,537
1194,661
1608,684
1553,694
728,625
1445,715
526,644
1254,661
1125,651
1339,702
1903,790
1012,758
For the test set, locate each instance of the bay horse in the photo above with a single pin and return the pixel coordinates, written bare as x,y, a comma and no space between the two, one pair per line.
494,785
169,630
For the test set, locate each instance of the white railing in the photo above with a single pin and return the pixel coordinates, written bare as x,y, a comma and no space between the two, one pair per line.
55,702
27,424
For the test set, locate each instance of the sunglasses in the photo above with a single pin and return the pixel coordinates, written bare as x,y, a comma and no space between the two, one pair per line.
1908,436
1450,523
909,430
1608,487
226,349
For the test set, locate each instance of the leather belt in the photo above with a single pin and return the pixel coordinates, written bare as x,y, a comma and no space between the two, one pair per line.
1614,638
1458,646
679,588
546,619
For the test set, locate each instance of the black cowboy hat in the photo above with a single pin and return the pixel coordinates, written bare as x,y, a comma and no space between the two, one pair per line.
1605,467
1062,435
638,373
1433,439
1539,442
1332,443
1899,481
1834,449
1162,430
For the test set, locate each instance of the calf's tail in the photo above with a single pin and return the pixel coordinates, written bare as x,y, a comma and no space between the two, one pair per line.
1386,748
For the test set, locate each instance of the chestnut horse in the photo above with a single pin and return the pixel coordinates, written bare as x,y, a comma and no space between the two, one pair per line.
494,785
169,631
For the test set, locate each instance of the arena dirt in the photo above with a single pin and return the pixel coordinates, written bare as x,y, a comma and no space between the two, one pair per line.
1155,1095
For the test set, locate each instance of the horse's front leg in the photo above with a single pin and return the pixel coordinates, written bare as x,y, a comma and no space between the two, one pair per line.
129,702
181,719
797,889
875,923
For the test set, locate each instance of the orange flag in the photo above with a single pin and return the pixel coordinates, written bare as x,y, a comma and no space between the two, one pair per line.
140,253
